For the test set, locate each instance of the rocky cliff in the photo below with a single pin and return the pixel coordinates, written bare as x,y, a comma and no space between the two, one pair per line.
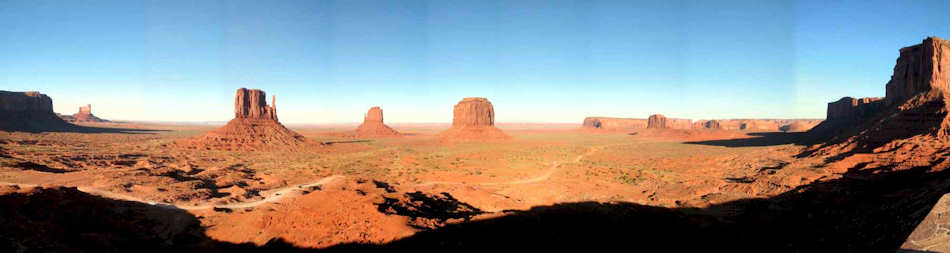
252,104
920,68
660,121
29,111
849,109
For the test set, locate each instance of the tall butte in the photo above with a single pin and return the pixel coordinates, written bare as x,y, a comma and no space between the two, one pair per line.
254,127
85,115
473,120
373,125
913,110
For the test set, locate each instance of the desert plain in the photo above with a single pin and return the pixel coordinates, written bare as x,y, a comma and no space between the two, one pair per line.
863,179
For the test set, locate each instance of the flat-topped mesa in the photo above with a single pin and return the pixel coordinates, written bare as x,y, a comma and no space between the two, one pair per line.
614,123
473,118
850,109
29,111
252,104
373,125
473,111
660,121
25,102
920,68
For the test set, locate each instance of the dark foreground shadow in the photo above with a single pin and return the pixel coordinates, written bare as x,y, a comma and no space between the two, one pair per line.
871,210
868,211
763,139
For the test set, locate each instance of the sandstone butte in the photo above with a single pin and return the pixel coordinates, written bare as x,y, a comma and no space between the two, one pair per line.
473,120
373,125
914,102
29,111
907,129
84,115
254,128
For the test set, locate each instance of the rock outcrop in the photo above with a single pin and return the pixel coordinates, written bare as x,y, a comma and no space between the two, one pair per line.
254,128
473,120
850,109
914,104
607,123
373,125
919,69
252,104
29,111
707,124
660,121
84,115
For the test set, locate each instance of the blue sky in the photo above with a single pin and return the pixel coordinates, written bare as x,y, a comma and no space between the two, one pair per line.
537,61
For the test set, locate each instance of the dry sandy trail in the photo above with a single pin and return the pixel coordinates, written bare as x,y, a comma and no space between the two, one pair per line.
273,197
553,168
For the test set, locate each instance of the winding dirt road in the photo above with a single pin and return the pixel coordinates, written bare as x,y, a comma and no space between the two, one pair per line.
543,177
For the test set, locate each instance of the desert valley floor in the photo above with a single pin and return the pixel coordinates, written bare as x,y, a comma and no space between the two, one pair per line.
711,188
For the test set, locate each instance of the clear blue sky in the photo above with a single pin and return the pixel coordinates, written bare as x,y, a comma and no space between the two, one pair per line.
537,61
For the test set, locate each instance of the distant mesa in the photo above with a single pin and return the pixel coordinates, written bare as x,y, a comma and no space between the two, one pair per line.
29,111
254,128
473,120
84,115
373,125
662,122
659,121
608,123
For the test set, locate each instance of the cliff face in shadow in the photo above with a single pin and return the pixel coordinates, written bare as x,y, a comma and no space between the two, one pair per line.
867,211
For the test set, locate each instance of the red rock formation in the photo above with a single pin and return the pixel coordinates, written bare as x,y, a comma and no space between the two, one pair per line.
656,121
707,124
252,104
848,108
84,115
29,111
373,125
254,128
915,104
473,112
920,68
473,119
660,121
614,123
